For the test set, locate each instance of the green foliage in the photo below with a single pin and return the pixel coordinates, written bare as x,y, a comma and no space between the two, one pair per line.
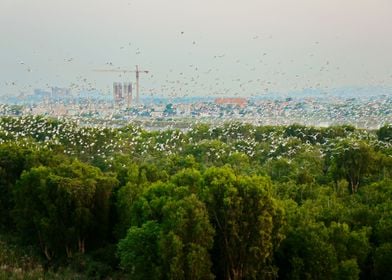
247,222
60,208
385,133
347,270
353,162
12,163
139,251
173,228
185,240
382,261
231,201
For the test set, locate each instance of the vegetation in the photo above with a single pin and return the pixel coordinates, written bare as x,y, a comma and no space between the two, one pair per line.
228,202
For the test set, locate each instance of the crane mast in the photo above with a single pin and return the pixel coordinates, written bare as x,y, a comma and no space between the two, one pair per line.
137,82
137,72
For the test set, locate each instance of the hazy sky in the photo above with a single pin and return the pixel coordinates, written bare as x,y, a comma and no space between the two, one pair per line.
196,47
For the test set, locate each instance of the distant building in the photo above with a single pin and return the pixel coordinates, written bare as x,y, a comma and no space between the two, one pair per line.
117,93
122,92
241,102
127,91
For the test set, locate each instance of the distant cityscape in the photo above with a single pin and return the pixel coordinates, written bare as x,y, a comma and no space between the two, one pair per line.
362,109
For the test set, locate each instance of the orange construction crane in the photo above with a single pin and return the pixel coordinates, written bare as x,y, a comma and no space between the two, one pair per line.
137,71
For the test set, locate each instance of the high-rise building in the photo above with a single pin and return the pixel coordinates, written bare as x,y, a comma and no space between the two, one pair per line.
122,92
117,93
127,90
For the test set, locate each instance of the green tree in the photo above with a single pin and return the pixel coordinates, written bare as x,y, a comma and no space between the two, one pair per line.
12,163
247,222
139,253
305,253
382,261
280,169
347,270
61,208
352,162
187,235
385,133
126,196
181,238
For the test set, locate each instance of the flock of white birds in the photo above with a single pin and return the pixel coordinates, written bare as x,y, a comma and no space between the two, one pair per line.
226,72
213,143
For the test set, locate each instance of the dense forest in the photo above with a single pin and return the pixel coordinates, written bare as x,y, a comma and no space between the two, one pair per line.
233,201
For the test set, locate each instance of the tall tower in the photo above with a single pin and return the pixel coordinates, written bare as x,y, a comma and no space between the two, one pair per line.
128,93
117,93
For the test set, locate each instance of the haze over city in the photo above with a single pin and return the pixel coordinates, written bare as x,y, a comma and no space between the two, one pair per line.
196,48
